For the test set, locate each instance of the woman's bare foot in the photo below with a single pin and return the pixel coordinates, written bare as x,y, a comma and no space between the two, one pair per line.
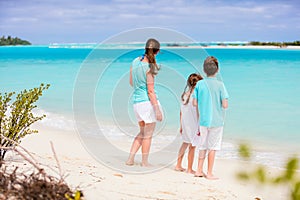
211,177
179,169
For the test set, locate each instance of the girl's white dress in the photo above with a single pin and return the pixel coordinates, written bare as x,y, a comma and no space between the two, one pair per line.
189,120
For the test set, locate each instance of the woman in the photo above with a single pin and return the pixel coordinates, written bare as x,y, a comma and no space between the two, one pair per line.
145,103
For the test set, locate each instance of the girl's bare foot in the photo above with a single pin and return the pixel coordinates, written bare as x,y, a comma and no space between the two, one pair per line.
146,165
130,162
190,171
211,177
179,169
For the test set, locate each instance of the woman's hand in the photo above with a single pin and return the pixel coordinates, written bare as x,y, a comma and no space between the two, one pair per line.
158,113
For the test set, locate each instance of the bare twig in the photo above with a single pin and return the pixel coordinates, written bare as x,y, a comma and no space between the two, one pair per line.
57,162
17,144
31,161
41,170
35,185
59,173
7,148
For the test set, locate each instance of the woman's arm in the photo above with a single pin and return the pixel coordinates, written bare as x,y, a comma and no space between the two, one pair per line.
130,77
150,86
152,95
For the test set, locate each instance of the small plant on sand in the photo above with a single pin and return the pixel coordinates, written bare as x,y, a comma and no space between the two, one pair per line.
288,176
16,117
23,184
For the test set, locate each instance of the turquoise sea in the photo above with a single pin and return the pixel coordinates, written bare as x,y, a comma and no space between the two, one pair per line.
263,84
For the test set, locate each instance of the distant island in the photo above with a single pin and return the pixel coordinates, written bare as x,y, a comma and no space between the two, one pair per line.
236,44
279,44
176,45
5,41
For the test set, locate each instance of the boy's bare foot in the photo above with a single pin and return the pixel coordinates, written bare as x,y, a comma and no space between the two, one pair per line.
130,162
179,169
190,171
211,177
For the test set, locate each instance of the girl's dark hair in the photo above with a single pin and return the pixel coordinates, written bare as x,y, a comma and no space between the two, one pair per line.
151,49
190,85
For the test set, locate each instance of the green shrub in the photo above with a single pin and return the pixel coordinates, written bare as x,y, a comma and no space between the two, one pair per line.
17,117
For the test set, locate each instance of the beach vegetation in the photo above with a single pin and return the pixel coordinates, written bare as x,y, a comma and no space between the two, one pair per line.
5,41
279,44
16,116
16,184
289,176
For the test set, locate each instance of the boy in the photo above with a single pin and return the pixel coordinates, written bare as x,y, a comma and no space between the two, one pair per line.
210,96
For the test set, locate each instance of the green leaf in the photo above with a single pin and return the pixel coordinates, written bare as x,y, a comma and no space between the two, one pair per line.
295,194
244,151
291,167
243,176
261,174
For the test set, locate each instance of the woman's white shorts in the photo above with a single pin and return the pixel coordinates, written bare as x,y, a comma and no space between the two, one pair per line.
144,111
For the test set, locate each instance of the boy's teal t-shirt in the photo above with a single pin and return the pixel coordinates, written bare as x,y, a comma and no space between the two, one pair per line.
209,94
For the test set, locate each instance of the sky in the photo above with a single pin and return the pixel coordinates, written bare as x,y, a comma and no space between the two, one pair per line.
84,21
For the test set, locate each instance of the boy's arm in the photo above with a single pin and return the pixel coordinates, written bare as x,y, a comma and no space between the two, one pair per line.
224,96
225,103
130,77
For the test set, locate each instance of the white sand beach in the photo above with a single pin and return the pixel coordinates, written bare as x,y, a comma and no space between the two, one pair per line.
100,182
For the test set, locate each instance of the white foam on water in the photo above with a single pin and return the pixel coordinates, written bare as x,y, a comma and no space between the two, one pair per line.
114,134
56,121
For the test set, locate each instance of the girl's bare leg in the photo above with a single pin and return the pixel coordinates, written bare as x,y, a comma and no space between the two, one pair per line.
146,143
180,157
136,144
191,159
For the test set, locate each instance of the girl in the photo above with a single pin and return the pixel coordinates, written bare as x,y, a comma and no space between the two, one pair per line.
188,123
145,103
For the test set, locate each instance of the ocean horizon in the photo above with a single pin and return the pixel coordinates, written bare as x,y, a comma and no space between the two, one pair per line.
263,85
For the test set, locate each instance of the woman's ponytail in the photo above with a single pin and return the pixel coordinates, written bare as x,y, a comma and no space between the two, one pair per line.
151,49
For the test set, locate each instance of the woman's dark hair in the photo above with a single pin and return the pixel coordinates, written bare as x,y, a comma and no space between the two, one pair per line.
190,84
151,49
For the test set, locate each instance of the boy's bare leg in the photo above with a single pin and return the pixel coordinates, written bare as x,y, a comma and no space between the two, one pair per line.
180,157
146,143
137,142
199,172
211,160
191,159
